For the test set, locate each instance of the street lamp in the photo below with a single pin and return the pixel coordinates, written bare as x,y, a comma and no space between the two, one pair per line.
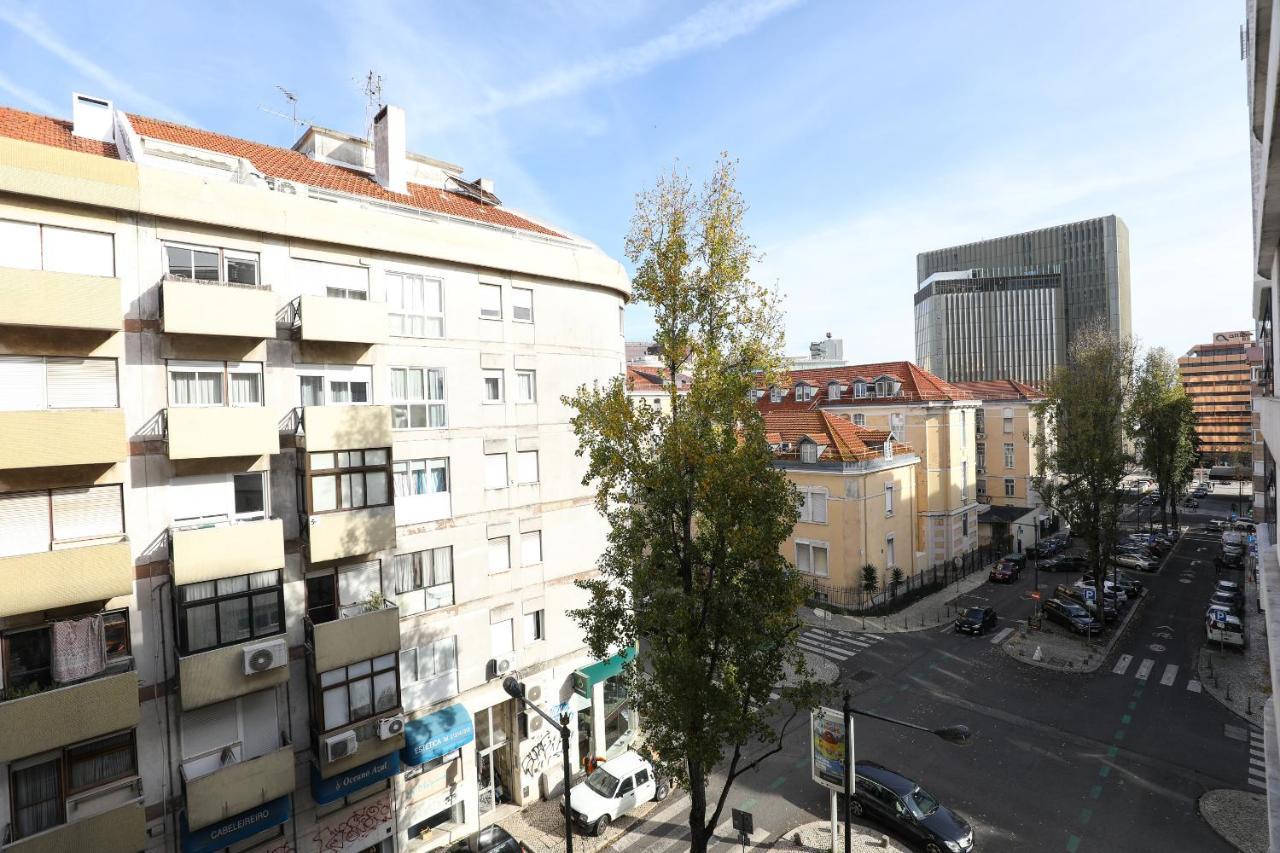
515,689
958,735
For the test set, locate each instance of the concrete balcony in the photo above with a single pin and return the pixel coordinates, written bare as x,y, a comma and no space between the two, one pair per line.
30,583
207,308
352,321
122,829
59,300
226,550
54,437
351,639
350,533
239,787
67,715
211,432
218,674
346,427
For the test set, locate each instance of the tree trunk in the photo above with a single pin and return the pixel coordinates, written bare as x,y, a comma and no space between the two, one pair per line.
697,809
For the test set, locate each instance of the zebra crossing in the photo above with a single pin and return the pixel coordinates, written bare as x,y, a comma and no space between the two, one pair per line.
1148,666
835,646
1257,760
667,829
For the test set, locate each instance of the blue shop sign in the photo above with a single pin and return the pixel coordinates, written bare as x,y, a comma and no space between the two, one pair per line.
218,836
427,738
362,776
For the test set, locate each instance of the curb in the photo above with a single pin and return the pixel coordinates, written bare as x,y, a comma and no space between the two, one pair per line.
952,590
1100,658
1202,673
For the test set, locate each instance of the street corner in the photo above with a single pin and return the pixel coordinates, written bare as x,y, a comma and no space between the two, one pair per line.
1240,817
1049,648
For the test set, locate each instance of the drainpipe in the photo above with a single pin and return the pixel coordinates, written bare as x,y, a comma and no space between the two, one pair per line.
160,658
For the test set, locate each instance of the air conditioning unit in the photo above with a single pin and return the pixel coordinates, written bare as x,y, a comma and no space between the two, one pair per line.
389,727
534,693
503,665
340,746
261,657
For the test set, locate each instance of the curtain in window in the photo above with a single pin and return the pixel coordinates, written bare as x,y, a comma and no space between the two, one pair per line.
415,385
36,799
399,384
405,566
108,760
246,389
312,388
77,649
441,566
187,388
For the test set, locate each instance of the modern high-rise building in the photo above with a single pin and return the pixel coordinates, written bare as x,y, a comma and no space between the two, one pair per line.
1218,378
286,489
1010,307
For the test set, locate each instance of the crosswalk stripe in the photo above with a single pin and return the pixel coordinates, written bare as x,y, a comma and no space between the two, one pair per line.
1122,665
1256,762
1170,673
999,637
872,636
1144,669
819,650
835,641
658,820
1255,783
847,639
1193,686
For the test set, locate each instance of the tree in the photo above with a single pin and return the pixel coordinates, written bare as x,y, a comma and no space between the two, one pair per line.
1162,423
692,572
895,579
1081,444
870,580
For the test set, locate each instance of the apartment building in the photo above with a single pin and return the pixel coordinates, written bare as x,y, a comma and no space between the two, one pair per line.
649,384
286,489
1217,378
857,497
1005,429
932,417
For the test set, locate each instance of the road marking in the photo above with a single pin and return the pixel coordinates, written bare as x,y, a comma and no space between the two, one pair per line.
1144,669
819,650
1000,637
1257,753
1170,673
1257,762
658,823
1193,686
1255,783
1122,665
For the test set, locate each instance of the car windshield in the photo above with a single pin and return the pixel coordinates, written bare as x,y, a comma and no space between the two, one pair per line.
975,613
922,802
603,783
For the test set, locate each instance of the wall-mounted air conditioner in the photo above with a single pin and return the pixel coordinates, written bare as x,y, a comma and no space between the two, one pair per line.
261,657
501,666
340,746
389,727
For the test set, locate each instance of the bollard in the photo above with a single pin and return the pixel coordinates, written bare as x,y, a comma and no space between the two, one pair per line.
1248,708
1228,691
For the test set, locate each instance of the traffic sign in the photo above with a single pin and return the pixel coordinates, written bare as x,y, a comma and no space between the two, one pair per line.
743,822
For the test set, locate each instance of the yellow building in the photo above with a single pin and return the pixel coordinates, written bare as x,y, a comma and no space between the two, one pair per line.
858,496
1005,434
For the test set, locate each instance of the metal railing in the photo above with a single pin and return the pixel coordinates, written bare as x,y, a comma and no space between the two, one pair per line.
890,597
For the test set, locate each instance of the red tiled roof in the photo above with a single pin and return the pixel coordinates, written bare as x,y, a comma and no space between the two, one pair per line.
999,389
843,440
44,130
642,377
918,385
271,161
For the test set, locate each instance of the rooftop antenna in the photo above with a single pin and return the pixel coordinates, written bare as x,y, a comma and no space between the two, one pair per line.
373,100
292,115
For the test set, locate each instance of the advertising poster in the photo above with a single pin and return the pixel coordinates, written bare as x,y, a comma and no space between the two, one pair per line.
826,734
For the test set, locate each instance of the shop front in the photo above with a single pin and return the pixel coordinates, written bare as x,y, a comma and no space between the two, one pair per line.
436,806
607,721
354,810
234,830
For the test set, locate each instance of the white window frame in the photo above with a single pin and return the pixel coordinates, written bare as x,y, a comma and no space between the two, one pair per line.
535,626
488,376
775,395
225,370
526,550
487,312
1010,456
812,546
499,545
223,256
888,500
809,452
859,389
833,386
809,506
859,419
422,663
516,308
490,469
532,376
426,402
335,374
1010,487
1007,418
407,467
525,459
37,256
401,312
436,589
45,404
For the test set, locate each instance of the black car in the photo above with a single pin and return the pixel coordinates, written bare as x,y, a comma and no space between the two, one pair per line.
899,802
1070,615
1005,571
1064,563
976,620
491,839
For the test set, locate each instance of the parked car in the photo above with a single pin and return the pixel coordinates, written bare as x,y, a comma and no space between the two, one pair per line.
1226,601
1112,592
1234,561
1067,563
1221,627
1245,526
614,788
1216,524
976,620
1229,586
1132,586
1004,572
491,839
1070,615
1130,561
913,812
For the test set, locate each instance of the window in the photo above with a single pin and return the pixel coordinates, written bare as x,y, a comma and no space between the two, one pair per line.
343,591
833,390
429,673
535,626
334,384
40,787
522,304
526,386
775,395
1008,420
206,499
215,383
803,392
491,302
209,264
227,611
415,305
813,506
531,548
811,558
492,386
883,387
29,246
249,496
860,388
982,488
37,382
888,448
359,691
982,454
980,420
116,640
897,425
888,498
890,551
418,398
1008,488
527,466
808,452
1008,455
499,554
31,522
421,477
964,481
501,640
348,479
964,524
495,471
424,580
859,419
336,281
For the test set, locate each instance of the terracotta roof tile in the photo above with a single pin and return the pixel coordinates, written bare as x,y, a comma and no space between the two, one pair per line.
841,439
999,389
44,130
918,385
645,378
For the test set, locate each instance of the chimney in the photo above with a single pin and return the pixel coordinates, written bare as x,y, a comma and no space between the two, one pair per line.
390,166
486,185
92,118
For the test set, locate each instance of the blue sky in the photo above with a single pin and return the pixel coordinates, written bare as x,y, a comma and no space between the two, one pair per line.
867,131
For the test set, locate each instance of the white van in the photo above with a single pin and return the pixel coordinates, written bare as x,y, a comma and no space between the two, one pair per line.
1222,627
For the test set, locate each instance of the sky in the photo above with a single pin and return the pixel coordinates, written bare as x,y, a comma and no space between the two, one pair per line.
866,132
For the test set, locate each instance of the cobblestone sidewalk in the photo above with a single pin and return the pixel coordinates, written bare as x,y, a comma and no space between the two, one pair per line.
817,836
1238,816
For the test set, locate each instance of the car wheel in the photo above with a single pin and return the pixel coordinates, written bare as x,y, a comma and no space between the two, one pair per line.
933,847
855,807
602,825
661,791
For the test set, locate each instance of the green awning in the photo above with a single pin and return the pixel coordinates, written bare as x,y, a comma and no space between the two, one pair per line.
585,678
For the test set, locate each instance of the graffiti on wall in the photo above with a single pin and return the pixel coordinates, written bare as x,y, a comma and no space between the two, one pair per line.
541,754
360,826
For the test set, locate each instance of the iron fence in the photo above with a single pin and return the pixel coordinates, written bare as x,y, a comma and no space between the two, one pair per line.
890,597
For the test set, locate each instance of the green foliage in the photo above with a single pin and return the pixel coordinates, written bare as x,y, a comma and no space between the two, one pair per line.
696,511
870,580
1162,425
895,578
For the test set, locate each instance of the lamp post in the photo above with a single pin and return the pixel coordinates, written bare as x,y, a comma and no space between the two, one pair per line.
958,735
515,690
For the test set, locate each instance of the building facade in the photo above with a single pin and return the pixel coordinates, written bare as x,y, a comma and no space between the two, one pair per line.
857,497
1217,377
1005,433
932,417
649,384
1012,296
286,489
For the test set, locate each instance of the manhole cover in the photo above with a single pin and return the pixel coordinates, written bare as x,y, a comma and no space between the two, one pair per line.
862,676
1156,647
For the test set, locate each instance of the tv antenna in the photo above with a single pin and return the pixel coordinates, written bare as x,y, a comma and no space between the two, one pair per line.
292,115
373,99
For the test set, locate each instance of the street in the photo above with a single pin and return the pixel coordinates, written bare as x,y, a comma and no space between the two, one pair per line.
1113,760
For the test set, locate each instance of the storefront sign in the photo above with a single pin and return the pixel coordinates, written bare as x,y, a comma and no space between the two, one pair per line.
218,836
827,734
585,678
358,828
427,738
362,776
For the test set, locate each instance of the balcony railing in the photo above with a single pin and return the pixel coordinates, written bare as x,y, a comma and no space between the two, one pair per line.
224,784
36,720
355,321
363,633
223,308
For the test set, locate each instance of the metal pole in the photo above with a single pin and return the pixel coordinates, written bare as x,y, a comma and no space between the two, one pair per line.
568,780
848,774
834,821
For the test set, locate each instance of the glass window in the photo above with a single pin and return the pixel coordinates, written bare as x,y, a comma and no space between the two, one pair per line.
500,638
499,554
531,548
1008,488
527,466
115,635
215,383
860,419
813,506
360,479
491,301
888,499
415,305
811,559
37,797
359,691
424,580
522,304
211,264
492,386
535,626
526,386
421,477
250,496
228,611
1008,456
808,452
495,471
418,398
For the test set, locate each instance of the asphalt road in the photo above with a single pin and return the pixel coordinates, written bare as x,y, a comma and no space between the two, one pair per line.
1110,761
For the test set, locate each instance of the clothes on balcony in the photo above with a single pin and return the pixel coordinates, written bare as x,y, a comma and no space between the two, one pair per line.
77,651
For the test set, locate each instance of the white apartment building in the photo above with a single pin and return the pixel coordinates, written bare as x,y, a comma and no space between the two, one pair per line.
286,489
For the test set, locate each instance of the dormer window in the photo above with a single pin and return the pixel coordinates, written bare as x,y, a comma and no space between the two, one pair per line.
859,389
804,392
883,387
833,390
808,452
775,395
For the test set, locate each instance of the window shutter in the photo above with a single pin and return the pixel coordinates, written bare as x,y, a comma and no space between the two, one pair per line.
24,523
82,383
19,245
22,379
71,250
86,513
357,582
